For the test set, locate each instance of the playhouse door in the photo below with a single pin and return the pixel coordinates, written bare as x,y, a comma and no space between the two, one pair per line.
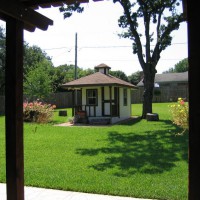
115,103
110,103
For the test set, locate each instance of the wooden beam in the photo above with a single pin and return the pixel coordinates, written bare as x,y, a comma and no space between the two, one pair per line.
26,26
184,5
14,110
50,2
24,14
110,96
194,96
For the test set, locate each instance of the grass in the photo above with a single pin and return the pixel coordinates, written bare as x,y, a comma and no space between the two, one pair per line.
137,159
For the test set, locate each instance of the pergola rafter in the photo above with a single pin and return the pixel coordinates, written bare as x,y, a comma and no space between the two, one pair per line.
28,16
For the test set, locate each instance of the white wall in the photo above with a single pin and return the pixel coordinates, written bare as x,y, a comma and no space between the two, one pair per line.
125,111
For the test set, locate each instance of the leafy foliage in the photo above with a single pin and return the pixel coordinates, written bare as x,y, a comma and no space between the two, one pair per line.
71,8
66,73
181,66
38,82
136,77
34,55
119,74
86,72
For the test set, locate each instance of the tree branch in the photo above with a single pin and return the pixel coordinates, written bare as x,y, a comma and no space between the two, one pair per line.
126,5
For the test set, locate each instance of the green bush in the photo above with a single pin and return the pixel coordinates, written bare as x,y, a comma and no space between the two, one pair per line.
38,112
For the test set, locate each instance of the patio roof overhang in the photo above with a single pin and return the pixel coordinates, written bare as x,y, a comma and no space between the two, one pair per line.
75,87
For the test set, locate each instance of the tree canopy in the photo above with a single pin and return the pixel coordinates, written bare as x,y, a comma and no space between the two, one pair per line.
135,77
38,82
181,66
119,74
34,55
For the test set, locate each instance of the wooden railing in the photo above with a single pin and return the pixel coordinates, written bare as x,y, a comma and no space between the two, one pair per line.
90,110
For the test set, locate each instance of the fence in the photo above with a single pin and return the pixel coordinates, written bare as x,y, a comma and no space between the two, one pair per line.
65,99
61,100
167,94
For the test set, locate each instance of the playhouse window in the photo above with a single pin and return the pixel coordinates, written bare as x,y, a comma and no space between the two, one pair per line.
91,97
125,97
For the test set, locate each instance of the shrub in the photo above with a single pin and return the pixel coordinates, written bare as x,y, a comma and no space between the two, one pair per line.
180,114
38,112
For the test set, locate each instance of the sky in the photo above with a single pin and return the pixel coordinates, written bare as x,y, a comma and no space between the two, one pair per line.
98,40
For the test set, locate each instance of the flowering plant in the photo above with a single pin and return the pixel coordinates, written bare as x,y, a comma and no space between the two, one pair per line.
180,114
37,112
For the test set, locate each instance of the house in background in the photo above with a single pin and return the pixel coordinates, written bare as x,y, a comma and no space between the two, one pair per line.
168,87
103,97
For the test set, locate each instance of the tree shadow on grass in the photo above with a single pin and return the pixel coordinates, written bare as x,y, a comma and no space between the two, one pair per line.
152,152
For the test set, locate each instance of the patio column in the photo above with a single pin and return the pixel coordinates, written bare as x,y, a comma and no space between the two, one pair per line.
14,109
194,96
73,103
110,91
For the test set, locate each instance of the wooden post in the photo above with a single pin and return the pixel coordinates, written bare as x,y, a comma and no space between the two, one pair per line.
194,96
14,110
102,101
73,104
110,94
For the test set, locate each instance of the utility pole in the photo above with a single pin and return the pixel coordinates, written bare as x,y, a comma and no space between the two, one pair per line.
75,75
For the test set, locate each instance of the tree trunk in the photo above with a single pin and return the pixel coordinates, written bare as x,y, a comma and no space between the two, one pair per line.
148,81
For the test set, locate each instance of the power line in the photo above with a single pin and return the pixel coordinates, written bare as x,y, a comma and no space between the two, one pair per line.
104,47
123,60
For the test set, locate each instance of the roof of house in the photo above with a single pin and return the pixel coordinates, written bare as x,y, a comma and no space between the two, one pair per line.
169,77
97,79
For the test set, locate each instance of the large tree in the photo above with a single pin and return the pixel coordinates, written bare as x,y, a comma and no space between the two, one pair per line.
34,55
158,19
38,83
38,73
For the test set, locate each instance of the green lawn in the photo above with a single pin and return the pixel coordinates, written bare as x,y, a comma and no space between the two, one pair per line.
141,159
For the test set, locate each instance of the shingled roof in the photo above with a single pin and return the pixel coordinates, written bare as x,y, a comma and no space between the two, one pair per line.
97,79
168,78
